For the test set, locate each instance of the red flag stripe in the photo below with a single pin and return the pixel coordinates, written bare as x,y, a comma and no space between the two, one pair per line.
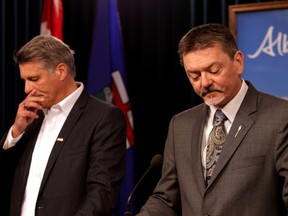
52,18
120,99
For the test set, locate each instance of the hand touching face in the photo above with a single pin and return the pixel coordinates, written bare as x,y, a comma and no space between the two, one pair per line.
43,90
27,112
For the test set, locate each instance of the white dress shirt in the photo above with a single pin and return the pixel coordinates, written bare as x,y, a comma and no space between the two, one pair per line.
51,126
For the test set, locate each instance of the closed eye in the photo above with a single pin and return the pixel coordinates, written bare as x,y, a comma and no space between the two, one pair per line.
194,76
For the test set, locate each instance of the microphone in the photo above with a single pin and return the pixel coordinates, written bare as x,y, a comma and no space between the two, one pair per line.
156,161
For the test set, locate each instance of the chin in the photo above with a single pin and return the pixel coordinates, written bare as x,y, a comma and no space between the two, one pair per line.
217,102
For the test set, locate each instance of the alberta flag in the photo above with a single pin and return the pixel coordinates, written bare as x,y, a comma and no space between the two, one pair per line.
107,80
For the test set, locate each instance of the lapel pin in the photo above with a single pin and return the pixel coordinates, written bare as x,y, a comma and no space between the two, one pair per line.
239,128
60,139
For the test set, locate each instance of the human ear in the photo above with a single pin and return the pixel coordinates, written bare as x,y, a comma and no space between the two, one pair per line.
239,61
62,70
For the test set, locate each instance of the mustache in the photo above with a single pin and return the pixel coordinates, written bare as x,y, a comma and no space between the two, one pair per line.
208,90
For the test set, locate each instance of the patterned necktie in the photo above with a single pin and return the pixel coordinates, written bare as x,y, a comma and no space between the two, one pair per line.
216,139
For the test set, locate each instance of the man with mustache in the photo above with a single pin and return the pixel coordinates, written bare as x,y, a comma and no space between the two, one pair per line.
241,167
65,153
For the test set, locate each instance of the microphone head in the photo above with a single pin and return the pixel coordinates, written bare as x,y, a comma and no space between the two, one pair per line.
157,160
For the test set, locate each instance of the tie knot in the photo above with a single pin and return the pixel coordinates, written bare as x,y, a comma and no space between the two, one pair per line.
219,117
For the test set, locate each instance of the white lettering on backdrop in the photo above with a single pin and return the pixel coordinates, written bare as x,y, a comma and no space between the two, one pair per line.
270,46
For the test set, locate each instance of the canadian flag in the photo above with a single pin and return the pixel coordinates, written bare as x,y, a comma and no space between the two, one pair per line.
52,18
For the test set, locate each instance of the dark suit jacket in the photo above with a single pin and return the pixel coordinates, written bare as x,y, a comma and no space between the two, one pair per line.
251,175
84,170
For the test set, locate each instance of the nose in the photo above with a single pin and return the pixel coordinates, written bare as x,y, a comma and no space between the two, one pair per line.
28,87
205,80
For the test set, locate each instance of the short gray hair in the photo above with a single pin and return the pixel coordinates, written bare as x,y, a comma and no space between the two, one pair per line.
48,50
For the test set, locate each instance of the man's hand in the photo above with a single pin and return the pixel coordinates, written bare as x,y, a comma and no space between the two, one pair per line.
27,112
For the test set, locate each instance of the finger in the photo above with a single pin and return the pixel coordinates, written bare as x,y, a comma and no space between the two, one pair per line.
24,106
33,92
31,105
34,96
27,113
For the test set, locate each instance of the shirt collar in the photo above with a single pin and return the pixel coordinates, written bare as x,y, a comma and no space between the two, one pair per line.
67,103
231,108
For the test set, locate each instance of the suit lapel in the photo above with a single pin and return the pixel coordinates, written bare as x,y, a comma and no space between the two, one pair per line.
198,128
241,125
66,130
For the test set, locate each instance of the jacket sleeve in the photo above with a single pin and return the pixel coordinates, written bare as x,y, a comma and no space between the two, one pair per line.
106,167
